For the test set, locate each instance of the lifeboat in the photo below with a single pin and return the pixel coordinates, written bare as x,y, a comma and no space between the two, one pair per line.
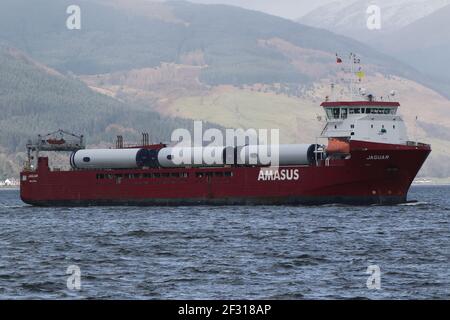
56,141
337,145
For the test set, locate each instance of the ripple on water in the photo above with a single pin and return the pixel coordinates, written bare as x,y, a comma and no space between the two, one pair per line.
227,252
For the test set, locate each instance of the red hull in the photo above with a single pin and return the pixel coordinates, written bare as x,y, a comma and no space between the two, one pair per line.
375,174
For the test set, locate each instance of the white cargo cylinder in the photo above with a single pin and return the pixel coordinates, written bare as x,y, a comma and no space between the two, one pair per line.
173,157
108,158
288,154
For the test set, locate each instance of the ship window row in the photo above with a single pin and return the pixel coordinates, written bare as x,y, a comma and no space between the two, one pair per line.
214,174
143,175
101,176
342,113
382,127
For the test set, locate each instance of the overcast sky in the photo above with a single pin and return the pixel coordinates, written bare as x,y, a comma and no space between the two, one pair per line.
291,9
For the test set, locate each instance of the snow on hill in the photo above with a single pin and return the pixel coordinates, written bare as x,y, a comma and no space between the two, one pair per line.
349,17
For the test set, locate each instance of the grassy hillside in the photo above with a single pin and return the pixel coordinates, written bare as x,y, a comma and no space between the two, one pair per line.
424,44
297,117
135,65
274,105
413,31
114,37
35,99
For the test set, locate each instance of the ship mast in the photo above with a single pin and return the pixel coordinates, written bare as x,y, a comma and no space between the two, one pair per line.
352,64
353,69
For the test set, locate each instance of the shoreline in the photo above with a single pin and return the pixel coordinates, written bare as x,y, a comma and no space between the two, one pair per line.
431,182
10,188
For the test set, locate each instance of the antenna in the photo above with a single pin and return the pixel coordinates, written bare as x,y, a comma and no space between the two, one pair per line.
351,75
119,142
415,129
333,95
354,70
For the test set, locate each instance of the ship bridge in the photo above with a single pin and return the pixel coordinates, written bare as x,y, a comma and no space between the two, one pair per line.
373,121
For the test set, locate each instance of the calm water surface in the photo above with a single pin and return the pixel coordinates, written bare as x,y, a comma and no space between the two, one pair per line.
227,252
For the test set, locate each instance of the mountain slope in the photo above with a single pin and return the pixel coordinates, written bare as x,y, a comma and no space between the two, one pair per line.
222,64
176,91
36,99
413,31
116,36
296,117
349,17
424,44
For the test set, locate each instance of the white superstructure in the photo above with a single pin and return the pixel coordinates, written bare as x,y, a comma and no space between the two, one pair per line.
370,121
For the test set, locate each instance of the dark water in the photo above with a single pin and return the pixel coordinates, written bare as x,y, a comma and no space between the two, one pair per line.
229,252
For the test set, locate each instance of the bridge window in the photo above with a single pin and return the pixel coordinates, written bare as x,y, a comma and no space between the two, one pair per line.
381,110
336,112
342,113
333,113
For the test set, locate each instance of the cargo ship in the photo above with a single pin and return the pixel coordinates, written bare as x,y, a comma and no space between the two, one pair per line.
367,159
